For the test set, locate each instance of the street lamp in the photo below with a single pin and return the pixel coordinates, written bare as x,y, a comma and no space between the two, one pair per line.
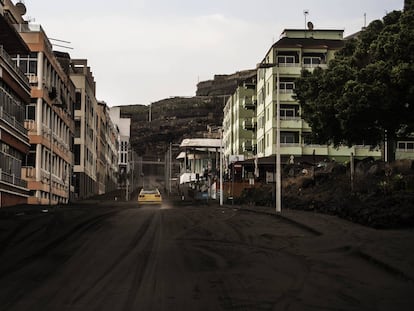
278,201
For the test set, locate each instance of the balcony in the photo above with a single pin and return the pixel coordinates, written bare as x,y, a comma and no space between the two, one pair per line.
12,179
247,145
249,124
11,120
249,103
33,79
249,86
291,123
31,126
9,61
288,69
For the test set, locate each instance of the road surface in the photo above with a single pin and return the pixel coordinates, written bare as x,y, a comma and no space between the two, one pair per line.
184,258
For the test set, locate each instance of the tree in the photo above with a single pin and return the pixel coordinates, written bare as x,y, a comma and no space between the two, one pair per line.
367,91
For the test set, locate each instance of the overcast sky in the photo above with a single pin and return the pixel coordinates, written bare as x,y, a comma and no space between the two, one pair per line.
141,51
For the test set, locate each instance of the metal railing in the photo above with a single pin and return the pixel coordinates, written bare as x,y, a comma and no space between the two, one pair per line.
12,121
13,65
12,179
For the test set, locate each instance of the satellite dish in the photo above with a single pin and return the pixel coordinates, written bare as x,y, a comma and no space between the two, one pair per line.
310,25
21,8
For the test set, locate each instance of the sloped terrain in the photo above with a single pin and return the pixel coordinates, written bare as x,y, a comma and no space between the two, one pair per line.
382,195
172,120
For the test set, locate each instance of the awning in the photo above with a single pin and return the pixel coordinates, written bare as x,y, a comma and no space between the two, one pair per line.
200,143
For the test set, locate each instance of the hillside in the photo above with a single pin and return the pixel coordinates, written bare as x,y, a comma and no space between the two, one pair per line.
172,120
176,118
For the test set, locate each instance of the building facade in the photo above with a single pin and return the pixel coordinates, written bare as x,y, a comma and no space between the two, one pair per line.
298,49
239,121
86,125
49,119
124,126
107,164
14,96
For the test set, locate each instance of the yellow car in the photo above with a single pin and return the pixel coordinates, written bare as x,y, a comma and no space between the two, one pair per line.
149,197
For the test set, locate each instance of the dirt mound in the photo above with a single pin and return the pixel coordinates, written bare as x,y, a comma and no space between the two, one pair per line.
380,196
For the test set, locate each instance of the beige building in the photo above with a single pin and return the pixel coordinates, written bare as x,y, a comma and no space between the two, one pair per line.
107,164
124,150
86,124
49,118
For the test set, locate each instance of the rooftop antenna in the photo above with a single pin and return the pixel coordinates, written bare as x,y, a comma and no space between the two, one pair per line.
305,13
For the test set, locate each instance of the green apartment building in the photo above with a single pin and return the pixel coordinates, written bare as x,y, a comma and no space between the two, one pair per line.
239,122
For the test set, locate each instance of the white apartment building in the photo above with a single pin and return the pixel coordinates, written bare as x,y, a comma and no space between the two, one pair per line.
124,126
297,49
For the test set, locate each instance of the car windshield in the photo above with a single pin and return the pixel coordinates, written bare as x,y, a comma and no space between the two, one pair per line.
149,192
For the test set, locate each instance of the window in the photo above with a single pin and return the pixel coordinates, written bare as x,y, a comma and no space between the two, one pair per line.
261,74
261,98
78,100
406,146
309,61
31,156
289,137
31,112
77,128
286,87
288,111
261,121
260,145
286,61
27,63
76,151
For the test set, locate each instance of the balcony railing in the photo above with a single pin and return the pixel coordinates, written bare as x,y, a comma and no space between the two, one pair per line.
249,124
13,65
12,122
12,179
249,103
30,125
29,172
248,145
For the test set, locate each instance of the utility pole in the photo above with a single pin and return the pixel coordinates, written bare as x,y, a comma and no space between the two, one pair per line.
170,169
51,156
221,167
278,175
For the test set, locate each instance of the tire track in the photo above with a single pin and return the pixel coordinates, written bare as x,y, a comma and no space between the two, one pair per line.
123,256
148,257
77,230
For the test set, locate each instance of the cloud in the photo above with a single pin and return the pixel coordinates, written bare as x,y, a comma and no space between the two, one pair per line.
128,54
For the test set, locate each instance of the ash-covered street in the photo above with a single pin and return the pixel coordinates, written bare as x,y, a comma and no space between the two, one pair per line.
199,258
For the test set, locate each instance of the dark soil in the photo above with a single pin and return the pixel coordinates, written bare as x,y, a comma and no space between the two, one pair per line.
382,196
